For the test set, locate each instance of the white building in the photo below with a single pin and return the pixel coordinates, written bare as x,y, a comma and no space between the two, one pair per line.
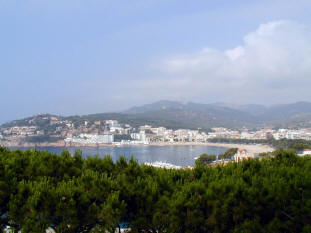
241,155
112,123
92,138
304,152
141,137
114,129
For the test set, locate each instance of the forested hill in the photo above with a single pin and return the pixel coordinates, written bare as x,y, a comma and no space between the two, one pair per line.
43,121
72,194
173,114
228,115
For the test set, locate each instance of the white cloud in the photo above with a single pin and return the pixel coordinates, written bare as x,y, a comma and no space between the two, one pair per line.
235,53
273,63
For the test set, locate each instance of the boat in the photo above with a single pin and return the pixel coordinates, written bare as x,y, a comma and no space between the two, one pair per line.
161,164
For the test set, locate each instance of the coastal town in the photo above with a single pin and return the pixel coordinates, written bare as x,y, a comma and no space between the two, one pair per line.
65,132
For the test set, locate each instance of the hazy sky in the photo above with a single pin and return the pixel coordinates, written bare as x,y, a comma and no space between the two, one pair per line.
87,56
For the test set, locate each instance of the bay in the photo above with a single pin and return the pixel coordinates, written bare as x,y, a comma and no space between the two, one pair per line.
177,155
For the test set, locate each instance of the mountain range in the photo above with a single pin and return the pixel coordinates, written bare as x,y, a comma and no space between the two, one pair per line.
228,115
175,114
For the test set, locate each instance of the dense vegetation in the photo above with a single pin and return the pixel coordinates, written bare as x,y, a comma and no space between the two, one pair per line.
227,155
135,120
174,114
42,138
71,194
207,158
131,119
29,121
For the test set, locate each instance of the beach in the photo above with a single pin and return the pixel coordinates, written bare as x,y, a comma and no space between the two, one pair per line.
251,148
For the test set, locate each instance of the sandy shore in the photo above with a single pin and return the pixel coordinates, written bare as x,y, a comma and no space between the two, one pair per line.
251,148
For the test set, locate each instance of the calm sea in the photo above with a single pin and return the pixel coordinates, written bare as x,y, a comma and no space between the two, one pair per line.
177,155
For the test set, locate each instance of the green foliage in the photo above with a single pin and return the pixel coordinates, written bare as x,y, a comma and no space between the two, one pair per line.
266,154
299,146
136,120
206,158
72,194
228,154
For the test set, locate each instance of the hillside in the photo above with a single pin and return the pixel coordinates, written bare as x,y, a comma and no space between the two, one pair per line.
194,114
228,115
135,120
174,114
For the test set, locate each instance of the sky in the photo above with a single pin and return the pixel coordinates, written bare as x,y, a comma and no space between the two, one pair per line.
91,56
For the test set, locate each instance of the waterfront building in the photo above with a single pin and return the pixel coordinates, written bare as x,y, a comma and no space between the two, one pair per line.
92,138
242,154
304,152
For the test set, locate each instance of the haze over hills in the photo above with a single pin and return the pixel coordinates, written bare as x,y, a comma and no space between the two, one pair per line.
175,114
194,114
228,115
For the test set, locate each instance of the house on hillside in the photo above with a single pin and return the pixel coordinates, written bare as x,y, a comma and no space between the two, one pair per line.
242,154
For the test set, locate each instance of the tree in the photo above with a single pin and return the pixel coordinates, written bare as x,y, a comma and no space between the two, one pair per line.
207,158
72,194
228,154
301,146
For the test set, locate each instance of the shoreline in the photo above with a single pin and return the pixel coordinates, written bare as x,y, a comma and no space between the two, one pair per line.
251,148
